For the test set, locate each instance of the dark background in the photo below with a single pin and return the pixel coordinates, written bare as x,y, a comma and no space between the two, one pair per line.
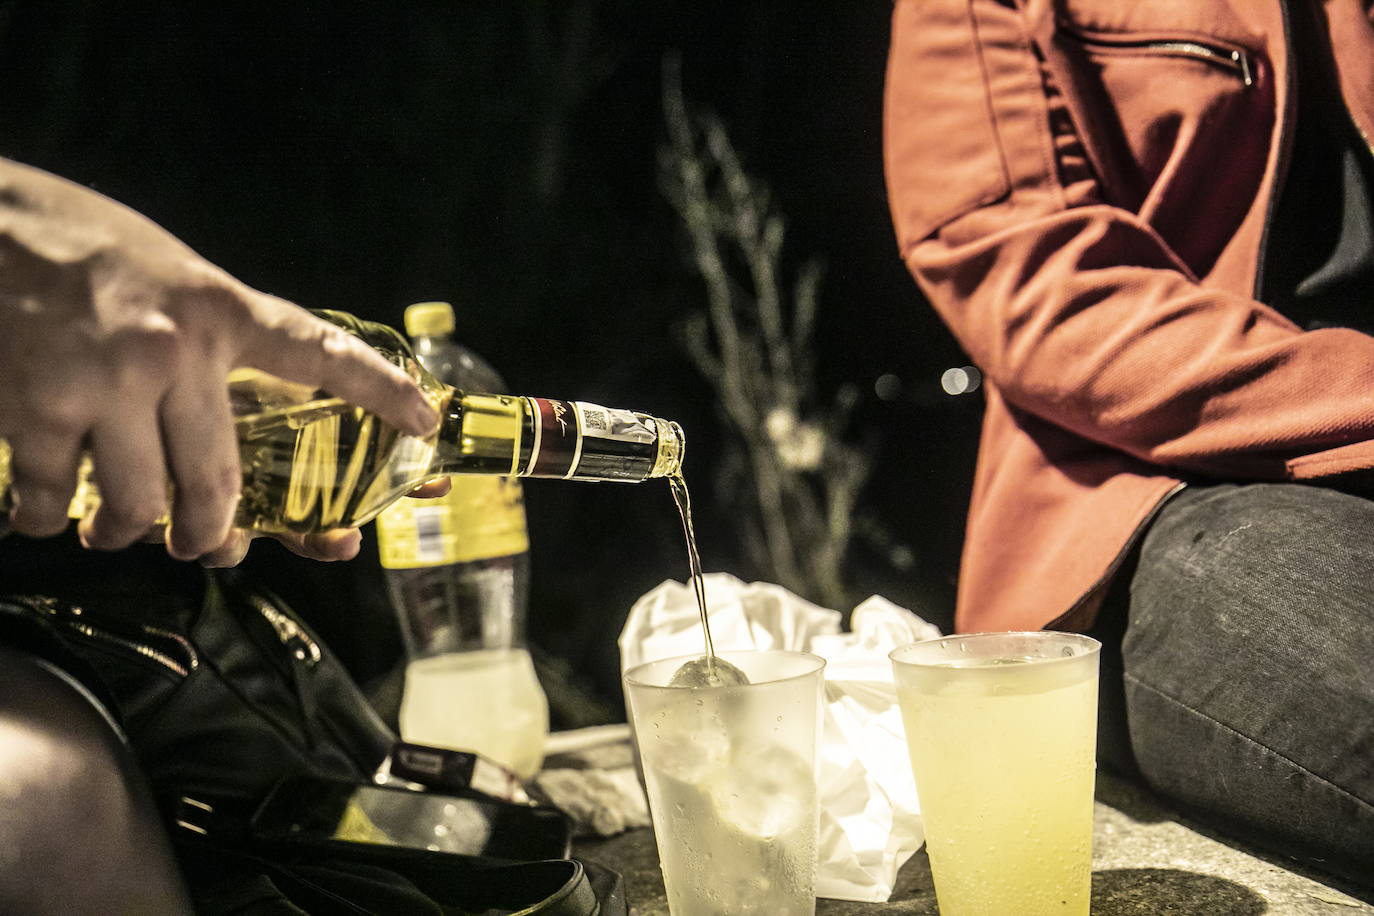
503,156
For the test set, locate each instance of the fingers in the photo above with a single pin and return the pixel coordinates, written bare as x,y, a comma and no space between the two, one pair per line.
202,455
43,479
131,474
328,546
229,553
291,343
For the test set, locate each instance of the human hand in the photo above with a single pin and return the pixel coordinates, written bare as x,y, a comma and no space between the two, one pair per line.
117,338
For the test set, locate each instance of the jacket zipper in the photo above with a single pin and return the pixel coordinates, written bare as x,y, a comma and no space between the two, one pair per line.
180,657
290,633
1233,59
294,637
73,618
141,648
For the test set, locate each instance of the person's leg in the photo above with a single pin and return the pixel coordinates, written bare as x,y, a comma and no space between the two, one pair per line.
81,834
1248,657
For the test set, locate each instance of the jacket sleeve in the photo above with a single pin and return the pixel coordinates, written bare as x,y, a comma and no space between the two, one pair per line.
1078,311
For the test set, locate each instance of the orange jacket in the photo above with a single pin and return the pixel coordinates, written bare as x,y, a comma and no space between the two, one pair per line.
1082,189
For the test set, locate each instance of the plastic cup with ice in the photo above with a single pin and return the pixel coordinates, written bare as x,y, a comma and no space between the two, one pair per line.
730,768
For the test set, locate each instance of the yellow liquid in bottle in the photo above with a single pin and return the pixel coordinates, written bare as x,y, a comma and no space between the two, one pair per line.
312,462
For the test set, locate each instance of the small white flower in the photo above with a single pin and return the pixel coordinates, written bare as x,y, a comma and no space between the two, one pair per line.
799,444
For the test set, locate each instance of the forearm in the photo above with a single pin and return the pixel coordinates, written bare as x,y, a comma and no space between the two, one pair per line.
1085,319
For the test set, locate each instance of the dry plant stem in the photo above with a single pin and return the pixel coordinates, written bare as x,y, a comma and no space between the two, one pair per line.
755,345
728,371
760,238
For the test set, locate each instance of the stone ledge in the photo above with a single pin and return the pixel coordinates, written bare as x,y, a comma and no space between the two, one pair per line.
1147,861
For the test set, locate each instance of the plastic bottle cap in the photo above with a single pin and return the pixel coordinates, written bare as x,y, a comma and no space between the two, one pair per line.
429,319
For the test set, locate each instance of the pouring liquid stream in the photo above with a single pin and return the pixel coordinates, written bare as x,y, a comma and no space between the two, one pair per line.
708,671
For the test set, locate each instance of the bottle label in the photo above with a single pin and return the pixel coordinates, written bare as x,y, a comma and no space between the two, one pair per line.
480,517
557,443
565,431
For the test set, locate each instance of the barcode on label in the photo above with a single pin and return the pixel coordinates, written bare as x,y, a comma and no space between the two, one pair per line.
595,419
429,533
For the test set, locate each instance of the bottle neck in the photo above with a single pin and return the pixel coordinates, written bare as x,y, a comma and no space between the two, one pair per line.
541,437
480,434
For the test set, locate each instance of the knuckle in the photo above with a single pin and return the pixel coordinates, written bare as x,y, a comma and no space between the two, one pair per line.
402,385
214,488
149,350
229,553
336,344
314,344
46,479
40,511
62,404
211,304
39,525
131,512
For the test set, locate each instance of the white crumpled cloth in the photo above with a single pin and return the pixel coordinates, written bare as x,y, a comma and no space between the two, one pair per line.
870,820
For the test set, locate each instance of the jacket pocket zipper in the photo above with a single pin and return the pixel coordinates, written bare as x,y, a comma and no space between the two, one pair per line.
290,633
1233,59
172,651
179,668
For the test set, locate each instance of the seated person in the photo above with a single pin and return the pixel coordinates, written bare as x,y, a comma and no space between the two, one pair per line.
1150,227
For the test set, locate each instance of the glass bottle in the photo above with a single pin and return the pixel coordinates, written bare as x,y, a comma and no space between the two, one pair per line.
312,462
457,570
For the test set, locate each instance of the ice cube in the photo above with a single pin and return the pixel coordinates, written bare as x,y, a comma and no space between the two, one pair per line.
686,741
708,672
765,792
747,894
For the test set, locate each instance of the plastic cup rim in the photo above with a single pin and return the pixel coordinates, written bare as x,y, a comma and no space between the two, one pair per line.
1093,647
726,653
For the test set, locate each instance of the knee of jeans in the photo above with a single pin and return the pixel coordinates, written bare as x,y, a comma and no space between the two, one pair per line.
1284,549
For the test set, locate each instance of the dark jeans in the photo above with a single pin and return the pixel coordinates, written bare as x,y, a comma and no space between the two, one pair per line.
1238,668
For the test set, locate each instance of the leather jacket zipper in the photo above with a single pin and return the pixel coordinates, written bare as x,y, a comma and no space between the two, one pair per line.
140,648
1233,59
170,651
1230,58
291,634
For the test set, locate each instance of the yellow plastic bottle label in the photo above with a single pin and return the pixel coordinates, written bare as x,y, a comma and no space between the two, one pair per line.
480,518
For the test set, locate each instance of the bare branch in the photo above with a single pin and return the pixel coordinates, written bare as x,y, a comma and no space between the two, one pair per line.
805,297
787,467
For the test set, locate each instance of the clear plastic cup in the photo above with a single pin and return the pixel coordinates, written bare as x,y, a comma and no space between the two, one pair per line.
1002,731
731,780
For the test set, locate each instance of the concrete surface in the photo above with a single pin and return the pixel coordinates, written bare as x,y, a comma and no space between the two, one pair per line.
1147,861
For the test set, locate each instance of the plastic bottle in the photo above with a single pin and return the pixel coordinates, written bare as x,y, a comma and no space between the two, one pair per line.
457,569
